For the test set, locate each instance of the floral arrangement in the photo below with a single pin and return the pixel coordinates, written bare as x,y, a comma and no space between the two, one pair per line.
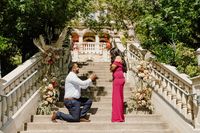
143,71
141,97
50,86
49,94
51,55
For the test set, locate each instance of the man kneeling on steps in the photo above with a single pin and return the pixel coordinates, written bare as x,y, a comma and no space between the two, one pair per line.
72,99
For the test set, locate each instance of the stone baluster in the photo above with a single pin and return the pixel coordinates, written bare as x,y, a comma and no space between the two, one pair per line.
31,81
169,91
154,84
25,74
179,100
189,108
184,105
21,78
23,94
35,79
174,95
10,106
4,110
14,101
171,77
160,85
175,80
19,98
164,87
27,89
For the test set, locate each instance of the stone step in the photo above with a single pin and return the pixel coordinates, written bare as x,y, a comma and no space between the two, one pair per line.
109,93
87,70
107,118
96,111
109,98
96,126
107,84
103,131
102,74
92,111
96,67
106,88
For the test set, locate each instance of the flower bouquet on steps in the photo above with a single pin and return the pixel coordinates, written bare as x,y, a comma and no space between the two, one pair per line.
50,58
140,99
49,95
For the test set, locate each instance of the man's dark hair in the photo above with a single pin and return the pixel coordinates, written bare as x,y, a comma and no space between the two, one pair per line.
71,66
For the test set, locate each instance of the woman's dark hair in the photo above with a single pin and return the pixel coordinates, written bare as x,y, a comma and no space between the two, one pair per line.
116,52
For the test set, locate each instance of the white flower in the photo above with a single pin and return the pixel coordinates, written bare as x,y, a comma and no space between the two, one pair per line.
50,100
146,72
50,93
50,87
143,102
141,74
45,96
49,54
44,79
45,102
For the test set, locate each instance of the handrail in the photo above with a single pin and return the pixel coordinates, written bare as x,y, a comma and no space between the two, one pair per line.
29,77
189,83
176,91
18,88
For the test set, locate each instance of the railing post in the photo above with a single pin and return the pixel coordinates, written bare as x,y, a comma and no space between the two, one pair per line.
1,101
196,101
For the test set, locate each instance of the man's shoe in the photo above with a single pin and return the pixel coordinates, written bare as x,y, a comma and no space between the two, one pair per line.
84,120
53,117
85,117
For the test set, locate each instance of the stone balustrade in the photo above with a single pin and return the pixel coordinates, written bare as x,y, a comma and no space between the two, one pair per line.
24,81
20,84
91,50
90,47
176,89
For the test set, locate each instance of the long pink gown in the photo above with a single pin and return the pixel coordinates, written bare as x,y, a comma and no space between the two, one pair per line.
117,94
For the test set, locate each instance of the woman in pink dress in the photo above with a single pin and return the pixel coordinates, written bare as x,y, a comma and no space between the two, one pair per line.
117,68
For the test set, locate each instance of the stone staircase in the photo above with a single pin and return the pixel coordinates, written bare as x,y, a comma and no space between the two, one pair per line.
100,113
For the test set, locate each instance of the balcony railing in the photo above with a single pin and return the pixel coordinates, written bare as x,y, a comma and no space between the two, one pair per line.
91,50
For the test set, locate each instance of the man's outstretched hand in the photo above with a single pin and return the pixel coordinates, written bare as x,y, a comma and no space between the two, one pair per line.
93,76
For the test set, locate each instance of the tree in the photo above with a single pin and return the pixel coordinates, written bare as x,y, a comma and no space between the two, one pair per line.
22,21
160,25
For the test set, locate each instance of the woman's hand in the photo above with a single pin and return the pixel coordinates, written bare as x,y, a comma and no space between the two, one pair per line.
113,67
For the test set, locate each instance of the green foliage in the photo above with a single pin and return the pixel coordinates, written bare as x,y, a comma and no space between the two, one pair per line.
170,30
186,60
7,53
23,20
164,53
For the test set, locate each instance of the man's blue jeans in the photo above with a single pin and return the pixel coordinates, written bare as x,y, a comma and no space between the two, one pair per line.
74,108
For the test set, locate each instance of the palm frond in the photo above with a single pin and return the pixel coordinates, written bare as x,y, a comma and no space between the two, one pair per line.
38,44
61,38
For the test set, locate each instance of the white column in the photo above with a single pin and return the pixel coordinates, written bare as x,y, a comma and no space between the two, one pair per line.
198,56
97,44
